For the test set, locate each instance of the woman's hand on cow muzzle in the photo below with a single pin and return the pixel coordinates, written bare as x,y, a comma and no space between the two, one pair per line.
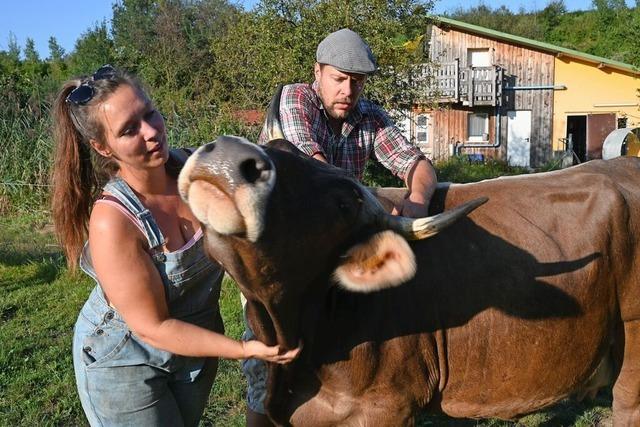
274,354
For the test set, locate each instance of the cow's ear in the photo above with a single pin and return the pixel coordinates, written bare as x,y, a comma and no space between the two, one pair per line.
383,261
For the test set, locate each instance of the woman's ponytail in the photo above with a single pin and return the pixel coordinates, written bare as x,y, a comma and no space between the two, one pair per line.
73,178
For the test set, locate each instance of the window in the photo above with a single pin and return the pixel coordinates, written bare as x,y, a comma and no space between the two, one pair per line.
478,127
479,57
422,130
402,119
622,122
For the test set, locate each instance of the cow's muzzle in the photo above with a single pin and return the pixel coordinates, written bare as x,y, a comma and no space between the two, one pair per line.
226,183
235,161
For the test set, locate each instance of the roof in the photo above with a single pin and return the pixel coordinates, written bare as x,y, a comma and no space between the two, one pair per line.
546,47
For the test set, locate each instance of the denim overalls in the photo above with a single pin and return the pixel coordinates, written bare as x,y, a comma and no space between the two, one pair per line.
125,381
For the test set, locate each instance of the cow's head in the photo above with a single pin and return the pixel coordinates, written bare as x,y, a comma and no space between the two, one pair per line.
286,227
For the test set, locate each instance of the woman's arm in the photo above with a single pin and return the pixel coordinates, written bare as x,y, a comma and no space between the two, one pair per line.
133,285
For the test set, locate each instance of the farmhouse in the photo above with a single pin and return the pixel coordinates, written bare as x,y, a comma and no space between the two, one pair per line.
509,97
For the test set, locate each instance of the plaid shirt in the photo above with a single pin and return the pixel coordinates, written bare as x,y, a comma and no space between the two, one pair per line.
367,132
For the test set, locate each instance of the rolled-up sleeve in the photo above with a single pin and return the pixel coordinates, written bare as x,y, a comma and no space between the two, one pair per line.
392,149
299,117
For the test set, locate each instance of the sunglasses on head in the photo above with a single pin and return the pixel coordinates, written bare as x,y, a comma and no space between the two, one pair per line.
85,91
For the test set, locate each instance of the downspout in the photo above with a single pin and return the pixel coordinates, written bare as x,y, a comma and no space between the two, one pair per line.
498,124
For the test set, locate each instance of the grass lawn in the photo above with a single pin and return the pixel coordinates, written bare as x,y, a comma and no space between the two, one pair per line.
39,302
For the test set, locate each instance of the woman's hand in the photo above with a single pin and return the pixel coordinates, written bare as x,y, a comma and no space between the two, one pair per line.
275,354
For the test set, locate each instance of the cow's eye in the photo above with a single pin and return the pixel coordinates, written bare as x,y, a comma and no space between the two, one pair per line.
346,206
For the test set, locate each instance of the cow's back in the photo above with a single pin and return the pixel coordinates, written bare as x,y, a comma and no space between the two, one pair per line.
528,290
625,173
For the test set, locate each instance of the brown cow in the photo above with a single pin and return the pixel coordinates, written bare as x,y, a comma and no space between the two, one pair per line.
509,309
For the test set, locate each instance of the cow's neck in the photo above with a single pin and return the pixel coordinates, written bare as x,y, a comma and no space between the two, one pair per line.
347,341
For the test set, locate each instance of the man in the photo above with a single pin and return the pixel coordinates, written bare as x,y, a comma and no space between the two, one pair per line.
329,121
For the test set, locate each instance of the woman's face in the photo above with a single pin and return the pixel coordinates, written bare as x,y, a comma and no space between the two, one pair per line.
134,130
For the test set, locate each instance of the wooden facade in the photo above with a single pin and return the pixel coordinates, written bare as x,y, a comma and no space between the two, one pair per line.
524,83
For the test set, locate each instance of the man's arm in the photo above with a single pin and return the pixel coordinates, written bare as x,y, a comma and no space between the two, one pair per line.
407,162
421,182
297,116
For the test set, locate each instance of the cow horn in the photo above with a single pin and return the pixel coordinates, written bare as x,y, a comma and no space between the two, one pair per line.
422,228
272,125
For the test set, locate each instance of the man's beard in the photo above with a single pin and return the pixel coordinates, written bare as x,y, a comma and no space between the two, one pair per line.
339,114
330,109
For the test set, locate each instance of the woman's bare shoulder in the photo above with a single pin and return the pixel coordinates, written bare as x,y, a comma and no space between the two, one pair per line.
108,221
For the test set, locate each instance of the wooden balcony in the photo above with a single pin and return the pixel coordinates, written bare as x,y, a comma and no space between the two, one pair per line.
449,83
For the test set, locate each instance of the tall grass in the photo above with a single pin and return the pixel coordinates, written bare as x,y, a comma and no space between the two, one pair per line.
25,158
193,129
26,149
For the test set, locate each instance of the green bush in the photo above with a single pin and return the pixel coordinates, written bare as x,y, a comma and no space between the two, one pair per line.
458,169
461,169
376,175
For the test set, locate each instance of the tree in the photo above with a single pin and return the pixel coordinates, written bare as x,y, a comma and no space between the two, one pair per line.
57,65
13,48
167,44
634,35
133,30
551,15
276,43
610,30
30,52
612,26
93,49
56,52
34,73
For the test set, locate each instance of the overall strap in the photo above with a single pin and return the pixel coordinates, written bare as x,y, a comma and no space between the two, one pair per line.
121,191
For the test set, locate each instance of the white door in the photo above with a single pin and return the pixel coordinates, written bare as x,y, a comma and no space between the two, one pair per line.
519,138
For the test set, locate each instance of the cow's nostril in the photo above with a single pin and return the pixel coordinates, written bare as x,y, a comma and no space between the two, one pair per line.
254,170
209,147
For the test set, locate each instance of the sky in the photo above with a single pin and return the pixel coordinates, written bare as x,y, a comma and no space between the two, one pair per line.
67,20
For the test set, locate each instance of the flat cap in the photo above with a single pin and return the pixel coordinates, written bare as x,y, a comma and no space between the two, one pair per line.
346,51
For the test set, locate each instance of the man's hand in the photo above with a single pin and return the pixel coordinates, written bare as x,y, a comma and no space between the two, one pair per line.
320,156
413,206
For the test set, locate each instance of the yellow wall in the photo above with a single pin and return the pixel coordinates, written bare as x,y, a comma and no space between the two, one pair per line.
587,85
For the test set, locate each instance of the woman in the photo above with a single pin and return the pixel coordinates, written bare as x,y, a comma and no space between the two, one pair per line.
146,341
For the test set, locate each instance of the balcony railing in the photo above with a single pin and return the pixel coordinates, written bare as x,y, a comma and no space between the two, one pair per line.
449,83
